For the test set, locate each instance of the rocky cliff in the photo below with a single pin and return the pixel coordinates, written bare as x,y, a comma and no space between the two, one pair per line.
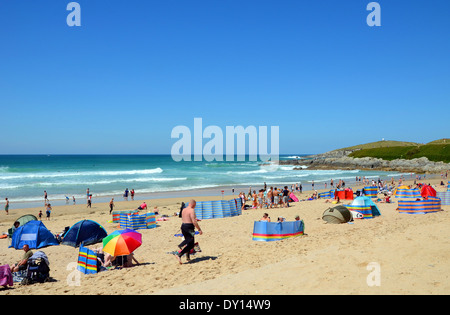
341,160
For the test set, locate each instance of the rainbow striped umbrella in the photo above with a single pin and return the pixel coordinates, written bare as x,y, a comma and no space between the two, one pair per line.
122,242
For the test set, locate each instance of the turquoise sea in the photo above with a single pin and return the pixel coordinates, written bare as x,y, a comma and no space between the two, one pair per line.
23,178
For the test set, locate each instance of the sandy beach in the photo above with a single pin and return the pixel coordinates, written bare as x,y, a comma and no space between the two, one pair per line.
413,252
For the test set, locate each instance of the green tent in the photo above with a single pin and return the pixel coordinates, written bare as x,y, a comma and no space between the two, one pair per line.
336,215
22,221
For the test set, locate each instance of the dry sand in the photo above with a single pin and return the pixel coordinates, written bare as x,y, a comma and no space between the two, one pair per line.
413,252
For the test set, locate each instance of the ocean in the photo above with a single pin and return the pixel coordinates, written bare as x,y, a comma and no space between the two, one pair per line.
24,178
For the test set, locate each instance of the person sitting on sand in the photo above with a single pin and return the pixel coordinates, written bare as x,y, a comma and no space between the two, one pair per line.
265,217
142,206
15,226
386,199
108,260
156,210
22,264
129,261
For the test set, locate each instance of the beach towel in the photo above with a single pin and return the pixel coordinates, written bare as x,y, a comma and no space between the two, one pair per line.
6,278
19,276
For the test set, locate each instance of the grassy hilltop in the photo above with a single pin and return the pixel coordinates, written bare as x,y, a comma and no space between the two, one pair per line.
438,150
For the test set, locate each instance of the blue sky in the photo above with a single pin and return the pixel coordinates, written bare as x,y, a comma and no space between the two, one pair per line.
134,70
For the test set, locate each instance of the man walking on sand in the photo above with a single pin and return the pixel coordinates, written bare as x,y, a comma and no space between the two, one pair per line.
189,223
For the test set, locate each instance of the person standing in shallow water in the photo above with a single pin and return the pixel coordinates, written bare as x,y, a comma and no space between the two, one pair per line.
7,206
189,223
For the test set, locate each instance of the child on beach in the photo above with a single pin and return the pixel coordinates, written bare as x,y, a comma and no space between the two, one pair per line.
40,215
48,211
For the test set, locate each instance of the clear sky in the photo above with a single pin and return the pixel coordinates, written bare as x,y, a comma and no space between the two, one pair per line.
134,70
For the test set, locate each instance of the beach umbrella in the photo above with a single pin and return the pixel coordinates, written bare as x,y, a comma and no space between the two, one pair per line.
122,242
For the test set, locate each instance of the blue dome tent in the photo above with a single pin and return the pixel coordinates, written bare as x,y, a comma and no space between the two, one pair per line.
34,234
84,232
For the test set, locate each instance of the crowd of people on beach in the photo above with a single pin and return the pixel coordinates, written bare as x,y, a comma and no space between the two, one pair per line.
268,198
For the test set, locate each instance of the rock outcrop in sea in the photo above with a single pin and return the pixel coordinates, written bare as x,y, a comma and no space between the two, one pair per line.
340,160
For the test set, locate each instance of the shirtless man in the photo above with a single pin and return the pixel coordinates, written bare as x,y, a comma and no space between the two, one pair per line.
269,198
261,198
276,197
189,223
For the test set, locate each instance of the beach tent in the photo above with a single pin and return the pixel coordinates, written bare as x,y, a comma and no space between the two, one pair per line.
22,221
25,219
365,206
137,221
275,231
338,214
371,191
218,209
34,234
432,204
84,232
406,192
444,196
428,191
87,260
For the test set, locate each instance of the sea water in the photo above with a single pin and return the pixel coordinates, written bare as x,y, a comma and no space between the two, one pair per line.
24,178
